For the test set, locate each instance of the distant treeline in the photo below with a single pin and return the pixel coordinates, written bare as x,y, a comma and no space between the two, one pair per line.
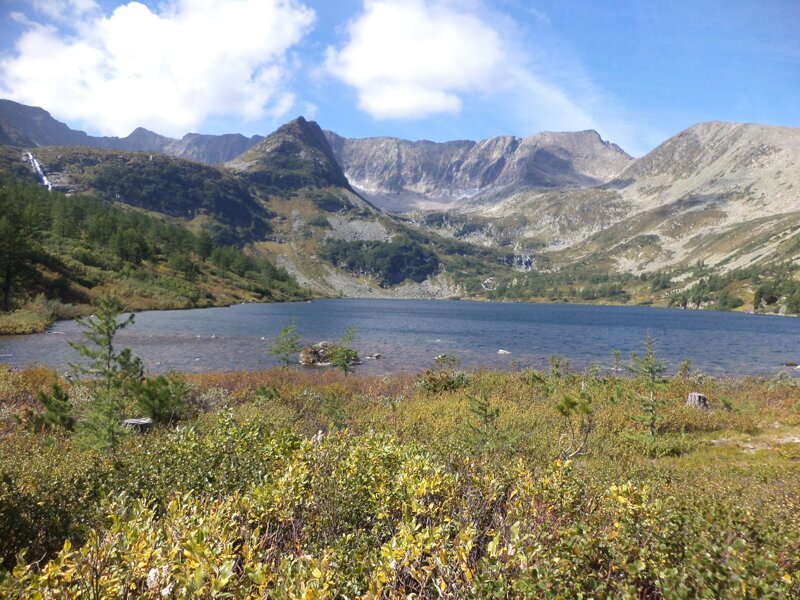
389,262
772,286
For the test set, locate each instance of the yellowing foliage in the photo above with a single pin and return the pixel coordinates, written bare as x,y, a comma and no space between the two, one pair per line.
263,497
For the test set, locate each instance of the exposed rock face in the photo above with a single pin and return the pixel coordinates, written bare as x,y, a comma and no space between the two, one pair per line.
704,194
401,175
357,230
31,127
140,140
710,160
295,155
723,193
211,148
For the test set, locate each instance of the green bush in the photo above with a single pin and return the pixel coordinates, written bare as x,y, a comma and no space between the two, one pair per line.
164,398
435,381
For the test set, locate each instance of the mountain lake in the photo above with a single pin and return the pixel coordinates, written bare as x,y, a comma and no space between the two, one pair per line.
409,334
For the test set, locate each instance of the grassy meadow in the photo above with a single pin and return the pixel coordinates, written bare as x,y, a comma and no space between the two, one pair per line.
293,483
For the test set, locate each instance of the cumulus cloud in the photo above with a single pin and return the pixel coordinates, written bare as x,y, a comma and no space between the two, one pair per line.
412,58
167,69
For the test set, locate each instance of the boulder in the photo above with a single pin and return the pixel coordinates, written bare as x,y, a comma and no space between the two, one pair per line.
140,425
697,400
319,355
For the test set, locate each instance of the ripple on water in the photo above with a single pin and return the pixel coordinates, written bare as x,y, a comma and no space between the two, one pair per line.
410,333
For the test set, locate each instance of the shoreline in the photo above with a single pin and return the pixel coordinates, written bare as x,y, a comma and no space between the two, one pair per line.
85,310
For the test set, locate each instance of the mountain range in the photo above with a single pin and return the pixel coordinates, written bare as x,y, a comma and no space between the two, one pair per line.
401,175
397,175
722,193
32,127
719,194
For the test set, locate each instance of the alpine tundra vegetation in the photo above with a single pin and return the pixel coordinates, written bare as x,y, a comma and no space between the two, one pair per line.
283,484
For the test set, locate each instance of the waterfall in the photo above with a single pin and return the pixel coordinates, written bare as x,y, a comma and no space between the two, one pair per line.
38,168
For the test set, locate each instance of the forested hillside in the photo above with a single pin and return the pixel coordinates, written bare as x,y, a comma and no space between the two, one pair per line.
181,189
58,252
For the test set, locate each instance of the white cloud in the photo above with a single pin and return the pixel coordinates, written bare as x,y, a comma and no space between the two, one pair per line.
166,69
65,9
412,58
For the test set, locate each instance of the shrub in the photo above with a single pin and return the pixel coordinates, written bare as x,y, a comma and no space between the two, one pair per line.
342,356
164,399
57,411
231,503
660,446
443,377
435,381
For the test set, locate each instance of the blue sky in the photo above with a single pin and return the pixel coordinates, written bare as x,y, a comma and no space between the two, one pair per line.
638,72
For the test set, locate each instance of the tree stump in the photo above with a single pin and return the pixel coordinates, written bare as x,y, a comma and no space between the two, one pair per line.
142,425
697,400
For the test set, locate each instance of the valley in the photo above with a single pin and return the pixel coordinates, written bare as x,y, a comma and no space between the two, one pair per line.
708,219
399,299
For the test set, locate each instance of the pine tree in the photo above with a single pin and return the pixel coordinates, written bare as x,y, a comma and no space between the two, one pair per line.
286,344
650,371
578,424
102,425
343,356
16,248
57,410
163,399
119,376
483,434
204,245
116,369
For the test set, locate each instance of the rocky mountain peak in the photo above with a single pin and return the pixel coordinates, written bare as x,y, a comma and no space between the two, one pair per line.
402,175
31,126
295,155
726,147
307,133
142,140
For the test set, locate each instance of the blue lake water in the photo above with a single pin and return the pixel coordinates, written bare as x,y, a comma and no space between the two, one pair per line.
410,333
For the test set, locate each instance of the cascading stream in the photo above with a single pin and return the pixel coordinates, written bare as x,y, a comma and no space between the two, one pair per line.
38,168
